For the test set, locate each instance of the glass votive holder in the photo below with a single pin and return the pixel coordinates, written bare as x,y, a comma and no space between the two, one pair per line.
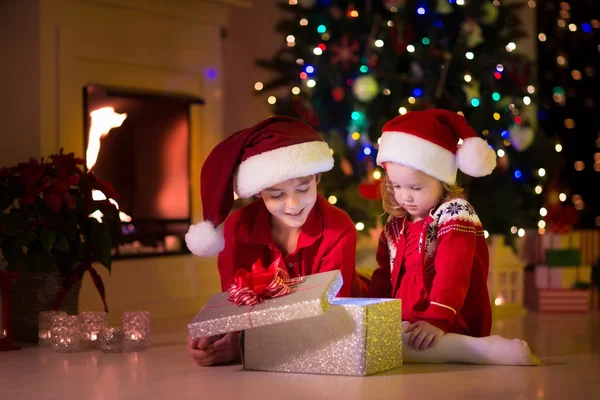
136,326
44,325
91,323
112,339
65,333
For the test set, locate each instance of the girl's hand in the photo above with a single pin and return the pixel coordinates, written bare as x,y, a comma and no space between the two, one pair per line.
215,350
424,335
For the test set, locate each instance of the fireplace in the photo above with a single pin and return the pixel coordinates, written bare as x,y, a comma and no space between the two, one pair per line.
140,143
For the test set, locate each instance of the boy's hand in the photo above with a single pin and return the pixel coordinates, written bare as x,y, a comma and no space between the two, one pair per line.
215,350
423,335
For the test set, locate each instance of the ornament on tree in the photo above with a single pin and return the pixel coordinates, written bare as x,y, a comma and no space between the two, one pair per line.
490,13
373,61
304,110
351,11
344,52
400,36
519,72
336,13
472,32
370,190
472,90
561,218
393,5
346,167
338,94
521,137
307,4
444,7
365,88
416,71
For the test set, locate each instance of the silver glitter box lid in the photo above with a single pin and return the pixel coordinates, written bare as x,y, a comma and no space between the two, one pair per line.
308,299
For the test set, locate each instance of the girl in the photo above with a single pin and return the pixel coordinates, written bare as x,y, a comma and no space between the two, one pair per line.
279,160
432,253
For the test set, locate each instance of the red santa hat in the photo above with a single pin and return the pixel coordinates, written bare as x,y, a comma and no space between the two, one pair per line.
429,142
249,161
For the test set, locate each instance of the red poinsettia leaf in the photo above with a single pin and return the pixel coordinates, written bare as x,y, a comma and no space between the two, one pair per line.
54,201
73,180
61,183
30,193
67,162
103,186
30,173
70,201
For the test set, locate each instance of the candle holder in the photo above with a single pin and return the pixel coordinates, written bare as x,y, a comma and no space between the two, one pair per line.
112,339
65,333
91,324
45,325
136,326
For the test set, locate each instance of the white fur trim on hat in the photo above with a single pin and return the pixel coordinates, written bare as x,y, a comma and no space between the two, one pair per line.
475,157
273,167
204,240
421,154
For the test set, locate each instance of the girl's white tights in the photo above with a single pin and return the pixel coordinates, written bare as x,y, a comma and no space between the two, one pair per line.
453,348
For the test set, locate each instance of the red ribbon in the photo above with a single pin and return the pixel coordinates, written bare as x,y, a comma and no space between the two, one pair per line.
77,276
251,288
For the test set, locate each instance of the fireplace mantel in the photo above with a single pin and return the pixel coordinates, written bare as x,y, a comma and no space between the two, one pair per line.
57,47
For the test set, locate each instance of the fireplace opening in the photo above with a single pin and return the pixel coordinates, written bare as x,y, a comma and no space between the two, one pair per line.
139,142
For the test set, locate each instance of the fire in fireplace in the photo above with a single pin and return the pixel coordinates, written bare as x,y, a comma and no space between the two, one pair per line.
139,142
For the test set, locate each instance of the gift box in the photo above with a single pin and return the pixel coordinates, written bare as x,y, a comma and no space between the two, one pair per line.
562,277
564,300
590,246
561,241
309,298
563,258
354,337
310,331
532,250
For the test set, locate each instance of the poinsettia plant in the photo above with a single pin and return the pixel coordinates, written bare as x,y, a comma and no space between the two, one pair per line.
46,220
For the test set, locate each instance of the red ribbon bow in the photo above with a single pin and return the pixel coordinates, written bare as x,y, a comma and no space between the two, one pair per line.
250,288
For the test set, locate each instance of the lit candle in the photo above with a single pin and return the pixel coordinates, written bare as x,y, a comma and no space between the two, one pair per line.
111,339
45,319
91,323
137,330
66,333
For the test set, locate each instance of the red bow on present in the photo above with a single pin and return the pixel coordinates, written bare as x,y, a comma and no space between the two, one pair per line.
250,288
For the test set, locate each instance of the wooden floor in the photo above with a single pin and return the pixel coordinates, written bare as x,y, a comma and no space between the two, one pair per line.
569,346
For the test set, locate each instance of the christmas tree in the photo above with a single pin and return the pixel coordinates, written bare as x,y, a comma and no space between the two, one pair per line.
347,67
570,44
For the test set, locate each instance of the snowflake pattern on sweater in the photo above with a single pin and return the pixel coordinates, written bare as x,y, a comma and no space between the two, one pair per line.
456,214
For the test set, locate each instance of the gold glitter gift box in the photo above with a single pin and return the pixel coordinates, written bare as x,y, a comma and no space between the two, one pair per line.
354,337
310,331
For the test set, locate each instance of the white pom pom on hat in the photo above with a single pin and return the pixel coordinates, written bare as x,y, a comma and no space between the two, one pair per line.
475,157
428,141
204,239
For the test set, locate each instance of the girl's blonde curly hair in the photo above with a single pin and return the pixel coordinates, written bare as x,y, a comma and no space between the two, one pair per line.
391,206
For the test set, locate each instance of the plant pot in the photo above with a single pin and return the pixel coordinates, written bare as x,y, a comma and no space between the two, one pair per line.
34,292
